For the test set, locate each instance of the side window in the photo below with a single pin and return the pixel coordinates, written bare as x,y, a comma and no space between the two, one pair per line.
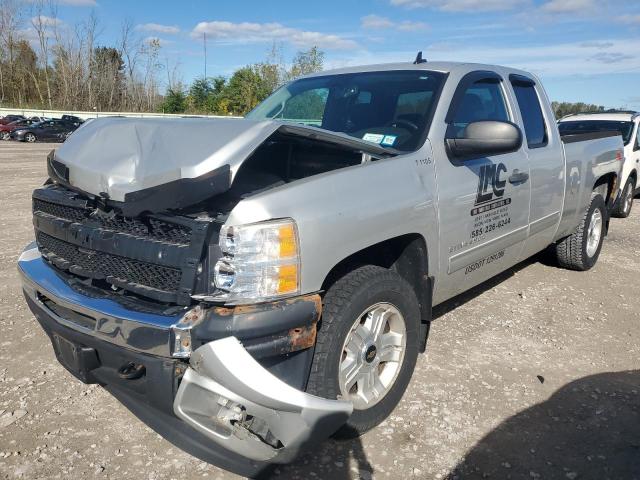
482,100
531,111
306,107
637,147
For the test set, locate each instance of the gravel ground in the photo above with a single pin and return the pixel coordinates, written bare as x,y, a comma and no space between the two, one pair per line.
533,375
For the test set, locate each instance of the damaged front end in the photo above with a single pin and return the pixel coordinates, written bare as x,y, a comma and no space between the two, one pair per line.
225,384
242,407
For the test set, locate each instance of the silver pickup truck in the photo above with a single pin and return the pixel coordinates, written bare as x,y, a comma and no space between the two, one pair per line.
250,286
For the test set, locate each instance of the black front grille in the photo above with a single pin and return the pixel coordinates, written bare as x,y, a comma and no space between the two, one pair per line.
151,227
156,256
113,268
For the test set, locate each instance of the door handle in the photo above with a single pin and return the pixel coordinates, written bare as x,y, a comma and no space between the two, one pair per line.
518,177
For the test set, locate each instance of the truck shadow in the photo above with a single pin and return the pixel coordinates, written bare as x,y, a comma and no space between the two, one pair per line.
453,303
334,459
588,429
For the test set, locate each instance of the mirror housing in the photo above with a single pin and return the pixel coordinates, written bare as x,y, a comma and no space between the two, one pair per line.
484,139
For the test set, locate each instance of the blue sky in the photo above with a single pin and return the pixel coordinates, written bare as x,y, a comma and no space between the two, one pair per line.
584,50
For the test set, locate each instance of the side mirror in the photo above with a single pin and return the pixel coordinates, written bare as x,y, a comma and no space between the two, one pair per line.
484,139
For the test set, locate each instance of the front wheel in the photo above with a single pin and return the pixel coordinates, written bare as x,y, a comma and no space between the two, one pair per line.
580,250
367,345
30,137
5,135
623,206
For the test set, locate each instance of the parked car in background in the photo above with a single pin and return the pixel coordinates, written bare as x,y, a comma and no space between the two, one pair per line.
51,130
37,119
625,122
72,118
10,118
5,130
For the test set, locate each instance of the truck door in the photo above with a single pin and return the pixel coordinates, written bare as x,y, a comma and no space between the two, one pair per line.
543,148
483,202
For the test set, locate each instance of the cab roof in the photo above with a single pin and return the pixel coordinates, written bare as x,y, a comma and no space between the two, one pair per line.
443,67
613,116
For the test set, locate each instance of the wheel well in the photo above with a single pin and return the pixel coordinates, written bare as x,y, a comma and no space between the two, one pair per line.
406,255
609,180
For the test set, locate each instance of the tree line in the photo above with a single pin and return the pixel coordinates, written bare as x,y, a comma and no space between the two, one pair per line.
46,63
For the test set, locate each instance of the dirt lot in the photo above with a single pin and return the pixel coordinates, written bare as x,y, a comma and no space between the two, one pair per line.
535,375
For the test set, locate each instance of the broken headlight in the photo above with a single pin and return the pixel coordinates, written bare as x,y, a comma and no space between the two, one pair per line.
260,262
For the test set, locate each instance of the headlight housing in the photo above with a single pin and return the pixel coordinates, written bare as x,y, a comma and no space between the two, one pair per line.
260,262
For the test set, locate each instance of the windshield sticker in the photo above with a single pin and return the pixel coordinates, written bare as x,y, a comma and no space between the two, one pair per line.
373,137
389,140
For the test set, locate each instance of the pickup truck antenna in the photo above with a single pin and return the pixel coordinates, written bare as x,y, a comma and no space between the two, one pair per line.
419,59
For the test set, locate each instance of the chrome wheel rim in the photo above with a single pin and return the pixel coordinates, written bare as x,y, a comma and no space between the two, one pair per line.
628,198
594,233
372,355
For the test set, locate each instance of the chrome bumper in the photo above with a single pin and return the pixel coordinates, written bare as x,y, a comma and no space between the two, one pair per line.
112,322
229,397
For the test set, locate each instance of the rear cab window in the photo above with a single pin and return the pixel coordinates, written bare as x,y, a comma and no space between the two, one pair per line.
528,101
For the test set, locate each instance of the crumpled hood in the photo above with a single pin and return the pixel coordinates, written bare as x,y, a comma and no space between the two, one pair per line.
117,156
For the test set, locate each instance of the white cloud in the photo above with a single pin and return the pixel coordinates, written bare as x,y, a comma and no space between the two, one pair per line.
156,27
556,60
46,21
468,6
247,32
629,19
569,6
378,22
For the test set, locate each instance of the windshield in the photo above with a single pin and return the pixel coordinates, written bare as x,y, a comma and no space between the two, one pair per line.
588,126
391,109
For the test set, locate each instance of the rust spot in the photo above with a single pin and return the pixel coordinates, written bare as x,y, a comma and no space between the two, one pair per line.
302,337
249,309
193,317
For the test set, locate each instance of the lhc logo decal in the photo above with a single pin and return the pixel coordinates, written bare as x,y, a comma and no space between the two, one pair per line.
489,182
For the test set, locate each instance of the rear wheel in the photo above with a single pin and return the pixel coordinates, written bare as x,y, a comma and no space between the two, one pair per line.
30,137
580,250
624,205
367,345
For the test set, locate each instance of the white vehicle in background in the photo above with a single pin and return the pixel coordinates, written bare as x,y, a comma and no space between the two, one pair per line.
625,122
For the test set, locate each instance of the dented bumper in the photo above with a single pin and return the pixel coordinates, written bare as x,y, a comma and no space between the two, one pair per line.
238,402
244,408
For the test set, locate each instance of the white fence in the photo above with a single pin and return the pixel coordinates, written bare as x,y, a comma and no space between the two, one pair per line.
84,115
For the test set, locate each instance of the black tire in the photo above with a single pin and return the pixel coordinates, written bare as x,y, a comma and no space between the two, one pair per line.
344,301
571,252
623,206
30,137
5,136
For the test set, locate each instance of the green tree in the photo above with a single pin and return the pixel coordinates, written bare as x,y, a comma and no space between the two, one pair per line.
175,101
246,88
306,62
562,109
199,93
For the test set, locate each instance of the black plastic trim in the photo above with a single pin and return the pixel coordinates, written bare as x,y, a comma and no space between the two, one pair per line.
583,137
177,194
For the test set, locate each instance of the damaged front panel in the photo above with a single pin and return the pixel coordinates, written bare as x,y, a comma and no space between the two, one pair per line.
155,165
